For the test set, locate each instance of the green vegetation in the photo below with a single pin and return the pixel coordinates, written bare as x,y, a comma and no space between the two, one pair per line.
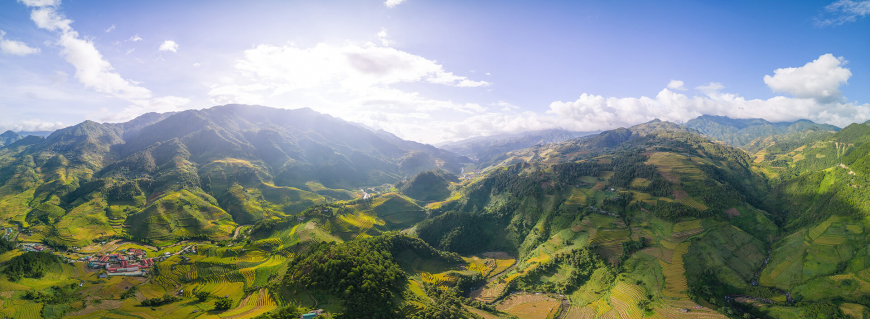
29,265
630,223
431,185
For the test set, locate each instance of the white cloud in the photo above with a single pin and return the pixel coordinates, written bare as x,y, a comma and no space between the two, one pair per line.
843,11
15,47
711,87
131,50
32,125
594,112
487,73
392,3
196,65
110,29
676,85
819,79
40,3
351,67
95,72
169,45
134,38
48,18
383,37
505,106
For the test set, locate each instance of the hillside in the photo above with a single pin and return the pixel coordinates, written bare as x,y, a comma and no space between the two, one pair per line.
483,149
196,173
740,132
431,185
654,220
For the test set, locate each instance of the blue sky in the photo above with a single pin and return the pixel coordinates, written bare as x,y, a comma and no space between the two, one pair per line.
433,71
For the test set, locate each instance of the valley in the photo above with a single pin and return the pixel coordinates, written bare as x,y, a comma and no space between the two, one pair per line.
252,212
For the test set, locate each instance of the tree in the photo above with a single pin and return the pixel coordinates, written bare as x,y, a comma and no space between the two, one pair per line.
202,296
223,303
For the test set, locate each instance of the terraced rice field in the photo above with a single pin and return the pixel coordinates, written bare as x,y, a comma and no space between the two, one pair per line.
441,280
489,293
576,312
675,279
688,201
689,225
624,298
605,237
600,306
252,306
577,198
531,306
28,311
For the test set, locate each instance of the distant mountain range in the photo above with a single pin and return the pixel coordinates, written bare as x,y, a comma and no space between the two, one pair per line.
740,132
484,148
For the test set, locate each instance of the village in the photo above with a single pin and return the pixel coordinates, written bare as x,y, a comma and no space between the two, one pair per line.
131,262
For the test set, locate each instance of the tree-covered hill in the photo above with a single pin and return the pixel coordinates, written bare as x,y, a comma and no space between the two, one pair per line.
196,173
654,220
483,149
431,185
740,132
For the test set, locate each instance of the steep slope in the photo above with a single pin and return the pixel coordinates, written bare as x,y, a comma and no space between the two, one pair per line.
660,204
431,185
739,132
9,137
196,173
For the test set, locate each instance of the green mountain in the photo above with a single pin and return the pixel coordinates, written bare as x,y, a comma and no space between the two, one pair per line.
483,149
9,137
654,220
740,132
195,174
431,185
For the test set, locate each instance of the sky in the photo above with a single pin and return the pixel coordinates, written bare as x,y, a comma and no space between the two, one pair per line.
437,70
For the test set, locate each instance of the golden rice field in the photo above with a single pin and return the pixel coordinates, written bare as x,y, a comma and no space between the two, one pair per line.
489,293
252,306
607,236
600,306
575,312
675,279
624,298
441,280
530,306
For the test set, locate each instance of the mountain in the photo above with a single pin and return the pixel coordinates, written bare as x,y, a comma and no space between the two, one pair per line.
584,147
431,185
483,149
653,220
36,133
739,132
9,137
234,164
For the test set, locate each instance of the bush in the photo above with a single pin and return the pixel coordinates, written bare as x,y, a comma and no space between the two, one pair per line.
157,302
223,303
202,296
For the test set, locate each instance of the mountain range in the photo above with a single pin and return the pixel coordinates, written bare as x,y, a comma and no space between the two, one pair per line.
270,211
